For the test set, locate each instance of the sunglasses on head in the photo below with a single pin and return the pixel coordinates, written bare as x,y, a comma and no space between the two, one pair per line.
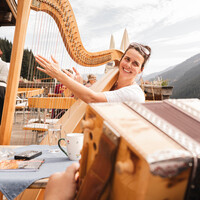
141,48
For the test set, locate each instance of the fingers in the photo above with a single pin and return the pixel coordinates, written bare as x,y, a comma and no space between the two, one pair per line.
55,63
42,70
77,177
63,70
50,67
54,60
68,73
73,168
56,175
47,67
76,72
42,59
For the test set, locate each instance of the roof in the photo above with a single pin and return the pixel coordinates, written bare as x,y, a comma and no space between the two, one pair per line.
8,12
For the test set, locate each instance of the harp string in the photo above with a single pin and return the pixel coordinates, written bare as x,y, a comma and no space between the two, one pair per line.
36,46
39,44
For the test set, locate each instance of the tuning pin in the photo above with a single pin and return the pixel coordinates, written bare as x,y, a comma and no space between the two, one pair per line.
89,123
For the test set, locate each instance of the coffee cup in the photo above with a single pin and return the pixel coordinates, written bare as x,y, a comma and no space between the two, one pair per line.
74,144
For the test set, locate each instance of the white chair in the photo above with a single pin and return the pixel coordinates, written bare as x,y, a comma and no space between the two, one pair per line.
21,105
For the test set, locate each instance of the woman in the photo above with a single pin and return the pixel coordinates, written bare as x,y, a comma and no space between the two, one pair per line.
125,89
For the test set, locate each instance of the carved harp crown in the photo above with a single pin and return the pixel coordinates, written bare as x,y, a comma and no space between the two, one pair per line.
62,13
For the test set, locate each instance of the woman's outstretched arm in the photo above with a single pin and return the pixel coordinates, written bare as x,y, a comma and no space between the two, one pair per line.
79,90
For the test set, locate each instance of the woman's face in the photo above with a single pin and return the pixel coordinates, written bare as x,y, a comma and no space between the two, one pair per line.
131,64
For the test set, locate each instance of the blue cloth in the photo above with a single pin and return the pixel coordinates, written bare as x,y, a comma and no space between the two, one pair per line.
13,183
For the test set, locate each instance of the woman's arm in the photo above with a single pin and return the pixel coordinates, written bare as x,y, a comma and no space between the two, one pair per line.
79,90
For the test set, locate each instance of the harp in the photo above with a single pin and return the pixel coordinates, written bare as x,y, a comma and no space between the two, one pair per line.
62,13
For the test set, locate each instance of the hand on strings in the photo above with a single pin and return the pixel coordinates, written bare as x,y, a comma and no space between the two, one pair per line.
77,77
50,68
63,185
68,73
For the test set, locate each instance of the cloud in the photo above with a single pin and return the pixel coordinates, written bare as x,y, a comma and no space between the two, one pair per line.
170,27
183,39
183,9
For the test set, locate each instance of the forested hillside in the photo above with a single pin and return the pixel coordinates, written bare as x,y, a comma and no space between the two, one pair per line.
188,86
28,70
6,48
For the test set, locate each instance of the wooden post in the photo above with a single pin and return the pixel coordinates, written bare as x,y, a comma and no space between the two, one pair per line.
23,11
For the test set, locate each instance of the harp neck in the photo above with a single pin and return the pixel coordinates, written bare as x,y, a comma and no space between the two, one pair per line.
62,13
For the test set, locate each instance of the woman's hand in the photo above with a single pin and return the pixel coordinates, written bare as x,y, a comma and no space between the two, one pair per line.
77,77
62,186
50,68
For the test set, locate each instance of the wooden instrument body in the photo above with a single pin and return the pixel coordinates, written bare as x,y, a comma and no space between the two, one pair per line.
132,176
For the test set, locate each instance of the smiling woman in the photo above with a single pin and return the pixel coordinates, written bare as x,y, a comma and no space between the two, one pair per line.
125,88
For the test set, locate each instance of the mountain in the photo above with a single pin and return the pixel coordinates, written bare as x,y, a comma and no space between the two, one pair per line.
188,86
184,77
156,74
174,73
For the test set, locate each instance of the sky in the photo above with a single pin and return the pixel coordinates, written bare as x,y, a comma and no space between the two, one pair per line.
170,27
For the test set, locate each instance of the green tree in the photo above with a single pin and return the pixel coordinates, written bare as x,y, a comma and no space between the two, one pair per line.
6,48
28,69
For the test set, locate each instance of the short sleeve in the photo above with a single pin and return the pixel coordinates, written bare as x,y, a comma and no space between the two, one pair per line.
131,93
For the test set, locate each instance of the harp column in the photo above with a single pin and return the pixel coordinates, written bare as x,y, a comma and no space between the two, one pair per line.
23,11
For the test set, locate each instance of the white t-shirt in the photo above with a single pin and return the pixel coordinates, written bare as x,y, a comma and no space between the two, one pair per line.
4,69
129,93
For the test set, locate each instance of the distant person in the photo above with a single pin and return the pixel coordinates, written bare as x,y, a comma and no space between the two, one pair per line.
59,89
4,69
125,88
91,80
